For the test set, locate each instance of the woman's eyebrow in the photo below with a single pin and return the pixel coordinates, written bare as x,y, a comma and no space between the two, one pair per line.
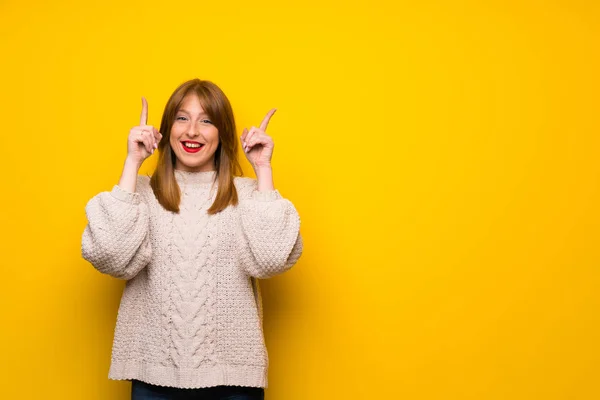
189,113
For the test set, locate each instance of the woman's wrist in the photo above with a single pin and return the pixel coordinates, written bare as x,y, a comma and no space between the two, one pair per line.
133,164
129,175
264,175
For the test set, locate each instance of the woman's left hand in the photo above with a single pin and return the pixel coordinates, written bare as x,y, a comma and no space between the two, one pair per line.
257,145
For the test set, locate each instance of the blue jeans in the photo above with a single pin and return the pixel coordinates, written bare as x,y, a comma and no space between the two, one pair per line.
145,391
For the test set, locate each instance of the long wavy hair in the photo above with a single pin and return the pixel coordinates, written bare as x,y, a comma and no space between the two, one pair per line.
217,106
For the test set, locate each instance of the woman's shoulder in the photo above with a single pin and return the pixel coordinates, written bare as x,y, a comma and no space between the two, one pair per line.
248,190
145,179
143,186
244,186
243,181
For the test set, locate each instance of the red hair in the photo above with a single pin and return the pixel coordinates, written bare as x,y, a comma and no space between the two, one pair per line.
217,106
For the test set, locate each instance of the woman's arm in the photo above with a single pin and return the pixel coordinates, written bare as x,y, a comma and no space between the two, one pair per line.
269,241
116,240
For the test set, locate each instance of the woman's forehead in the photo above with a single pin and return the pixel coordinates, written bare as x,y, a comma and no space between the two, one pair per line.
192,105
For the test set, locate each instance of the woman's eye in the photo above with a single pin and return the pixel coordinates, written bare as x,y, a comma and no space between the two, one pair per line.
204,121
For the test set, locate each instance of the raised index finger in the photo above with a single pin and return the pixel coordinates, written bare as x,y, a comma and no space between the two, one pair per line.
265,121
144,116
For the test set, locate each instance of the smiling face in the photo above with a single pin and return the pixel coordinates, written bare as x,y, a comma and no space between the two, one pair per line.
194,138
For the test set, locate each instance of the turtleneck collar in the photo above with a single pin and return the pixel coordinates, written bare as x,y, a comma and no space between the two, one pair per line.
195,177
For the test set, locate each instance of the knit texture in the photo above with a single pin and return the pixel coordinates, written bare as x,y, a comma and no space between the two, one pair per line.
191,312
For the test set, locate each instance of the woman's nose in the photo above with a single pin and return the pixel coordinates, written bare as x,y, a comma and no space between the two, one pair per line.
193,130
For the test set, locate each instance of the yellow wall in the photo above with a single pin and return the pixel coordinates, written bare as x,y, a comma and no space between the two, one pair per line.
443,157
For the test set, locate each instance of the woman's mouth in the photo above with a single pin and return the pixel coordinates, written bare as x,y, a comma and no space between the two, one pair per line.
191,147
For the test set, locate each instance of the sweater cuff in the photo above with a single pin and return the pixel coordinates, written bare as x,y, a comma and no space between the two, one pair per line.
124,195
266,195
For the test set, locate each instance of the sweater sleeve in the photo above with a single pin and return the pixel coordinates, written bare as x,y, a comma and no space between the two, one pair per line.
270,242
116,239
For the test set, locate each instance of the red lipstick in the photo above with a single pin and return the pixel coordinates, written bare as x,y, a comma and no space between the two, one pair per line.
192,147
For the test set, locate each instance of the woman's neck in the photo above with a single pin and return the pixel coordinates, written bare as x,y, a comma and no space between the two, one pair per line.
190,177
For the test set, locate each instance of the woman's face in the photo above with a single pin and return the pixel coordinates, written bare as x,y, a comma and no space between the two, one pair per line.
194,138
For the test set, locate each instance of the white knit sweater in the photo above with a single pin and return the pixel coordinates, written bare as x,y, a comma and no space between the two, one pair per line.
191,311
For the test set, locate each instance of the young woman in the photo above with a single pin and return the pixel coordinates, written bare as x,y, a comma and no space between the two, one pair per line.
192,242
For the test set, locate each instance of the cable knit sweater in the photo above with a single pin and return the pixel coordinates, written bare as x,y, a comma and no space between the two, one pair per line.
191,312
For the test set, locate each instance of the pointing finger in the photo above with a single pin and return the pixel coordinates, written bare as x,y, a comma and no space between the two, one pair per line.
144,116
265,121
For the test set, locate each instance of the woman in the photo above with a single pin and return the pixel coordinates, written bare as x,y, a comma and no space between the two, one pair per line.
191,242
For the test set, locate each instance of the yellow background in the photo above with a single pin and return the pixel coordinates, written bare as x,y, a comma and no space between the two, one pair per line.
443,157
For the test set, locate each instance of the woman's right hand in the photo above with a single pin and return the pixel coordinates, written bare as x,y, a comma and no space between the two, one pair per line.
143,139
